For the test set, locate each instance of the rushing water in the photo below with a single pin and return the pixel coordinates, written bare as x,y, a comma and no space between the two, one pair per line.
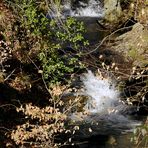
104,96
107,117
90,8
88,11
108,122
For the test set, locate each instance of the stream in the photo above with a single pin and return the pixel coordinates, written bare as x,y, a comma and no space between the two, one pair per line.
109,122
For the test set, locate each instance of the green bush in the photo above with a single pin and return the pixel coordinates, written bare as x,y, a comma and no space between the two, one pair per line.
57,61
52,36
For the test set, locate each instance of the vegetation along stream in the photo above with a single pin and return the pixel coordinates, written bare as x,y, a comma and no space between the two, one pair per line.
74,73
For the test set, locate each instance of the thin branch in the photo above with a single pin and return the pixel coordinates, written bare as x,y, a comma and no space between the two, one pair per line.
105,38
9,75
7,105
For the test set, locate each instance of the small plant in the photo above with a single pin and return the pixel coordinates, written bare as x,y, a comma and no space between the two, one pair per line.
57,43
140,137
56,60
41,127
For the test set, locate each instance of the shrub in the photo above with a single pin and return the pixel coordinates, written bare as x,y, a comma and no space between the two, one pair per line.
57,61
43,127
57,43
44,43
49,121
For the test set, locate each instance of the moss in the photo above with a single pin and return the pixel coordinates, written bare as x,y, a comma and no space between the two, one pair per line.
133,53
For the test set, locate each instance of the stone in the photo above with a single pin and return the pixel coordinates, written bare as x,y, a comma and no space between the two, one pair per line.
112,10
133,45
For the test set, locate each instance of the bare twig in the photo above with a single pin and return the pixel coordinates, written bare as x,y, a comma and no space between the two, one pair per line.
105,38
7,105
9,75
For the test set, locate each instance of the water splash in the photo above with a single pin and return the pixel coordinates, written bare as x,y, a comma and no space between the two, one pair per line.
92,8
102,93
104,102
105,113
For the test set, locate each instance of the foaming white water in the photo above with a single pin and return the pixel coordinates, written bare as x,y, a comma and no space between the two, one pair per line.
103,105
92,9
103,96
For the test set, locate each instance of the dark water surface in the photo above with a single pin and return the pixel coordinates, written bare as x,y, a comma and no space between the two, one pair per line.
94,31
